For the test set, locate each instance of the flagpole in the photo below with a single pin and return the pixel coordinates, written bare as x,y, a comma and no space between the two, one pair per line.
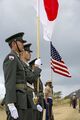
50,66
38,37
50,63
38,30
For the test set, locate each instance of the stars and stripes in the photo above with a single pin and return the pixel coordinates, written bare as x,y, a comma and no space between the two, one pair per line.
57,64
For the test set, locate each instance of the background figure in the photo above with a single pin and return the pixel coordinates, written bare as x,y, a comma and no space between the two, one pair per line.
70,101
39,94
79,104
49,100
74,100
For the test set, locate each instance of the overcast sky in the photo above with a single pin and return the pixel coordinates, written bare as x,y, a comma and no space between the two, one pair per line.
17,16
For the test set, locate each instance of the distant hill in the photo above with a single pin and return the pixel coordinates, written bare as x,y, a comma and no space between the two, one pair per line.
71,94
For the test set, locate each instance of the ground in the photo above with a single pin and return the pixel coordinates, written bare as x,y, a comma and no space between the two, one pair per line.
61,112
2,114
66,113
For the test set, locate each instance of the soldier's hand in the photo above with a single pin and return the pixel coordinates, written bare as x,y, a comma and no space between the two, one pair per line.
35,100
38,62
13,110
39,108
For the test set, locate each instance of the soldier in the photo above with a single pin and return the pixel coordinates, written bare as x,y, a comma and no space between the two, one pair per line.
49,100
74,100
79,103
15,100
39,94
31,77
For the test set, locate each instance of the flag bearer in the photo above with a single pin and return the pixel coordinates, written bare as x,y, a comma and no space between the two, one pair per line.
30,77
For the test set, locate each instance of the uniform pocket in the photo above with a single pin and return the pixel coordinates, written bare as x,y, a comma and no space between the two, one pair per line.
21,99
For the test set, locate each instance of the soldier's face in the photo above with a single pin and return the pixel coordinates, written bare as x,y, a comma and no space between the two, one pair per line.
20,45
28,55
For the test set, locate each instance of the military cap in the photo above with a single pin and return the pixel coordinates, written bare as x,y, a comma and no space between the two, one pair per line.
49,81
32,62
27,47
16,37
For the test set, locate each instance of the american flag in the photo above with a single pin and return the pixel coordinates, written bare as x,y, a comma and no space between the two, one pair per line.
57,64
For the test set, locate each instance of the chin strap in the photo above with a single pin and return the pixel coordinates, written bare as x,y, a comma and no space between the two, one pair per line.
17,46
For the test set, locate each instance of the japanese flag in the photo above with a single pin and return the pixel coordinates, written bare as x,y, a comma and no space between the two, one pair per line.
47,10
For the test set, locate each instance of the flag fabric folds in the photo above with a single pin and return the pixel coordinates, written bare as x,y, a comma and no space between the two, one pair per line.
51,8
47,16
57,64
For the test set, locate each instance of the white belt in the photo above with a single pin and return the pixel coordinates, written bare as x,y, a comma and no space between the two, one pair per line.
29,85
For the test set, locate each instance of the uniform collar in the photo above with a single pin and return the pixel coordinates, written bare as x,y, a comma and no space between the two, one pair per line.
15,53
27,63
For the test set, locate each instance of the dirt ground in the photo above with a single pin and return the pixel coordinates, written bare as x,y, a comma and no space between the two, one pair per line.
60,113
66,113
2,114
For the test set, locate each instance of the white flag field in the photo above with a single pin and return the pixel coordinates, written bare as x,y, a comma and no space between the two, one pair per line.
48,26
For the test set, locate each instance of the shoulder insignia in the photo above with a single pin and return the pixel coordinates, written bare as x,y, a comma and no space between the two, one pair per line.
11,57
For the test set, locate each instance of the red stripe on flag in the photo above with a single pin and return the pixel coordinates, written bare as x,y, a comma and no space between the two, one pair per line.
60,72
51,8
60,68
61,63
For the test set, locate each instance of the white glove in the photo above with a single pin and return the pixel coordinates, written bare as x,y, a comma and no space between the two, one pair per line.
13,110
38,62
39,108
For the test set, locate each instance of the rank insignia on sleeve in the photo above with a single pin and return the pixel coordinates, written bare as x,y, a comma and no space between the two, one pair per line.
11,57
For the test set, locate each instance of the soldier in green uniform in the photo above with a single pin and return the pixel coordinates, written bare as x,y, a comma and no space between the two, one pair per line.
15,100
39,93
31,77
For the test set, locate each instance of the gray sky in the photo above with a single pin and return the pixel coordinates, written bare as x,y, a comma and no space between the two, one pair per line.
17,16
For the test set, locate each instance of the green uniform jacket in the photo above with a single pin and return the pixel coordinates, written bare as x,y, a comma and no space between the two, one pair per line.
31,77
14,73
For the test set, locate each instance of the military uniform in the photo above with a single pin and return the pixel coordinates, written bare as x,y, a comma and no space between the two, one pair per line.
30,77
14,73
40,96
39,93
